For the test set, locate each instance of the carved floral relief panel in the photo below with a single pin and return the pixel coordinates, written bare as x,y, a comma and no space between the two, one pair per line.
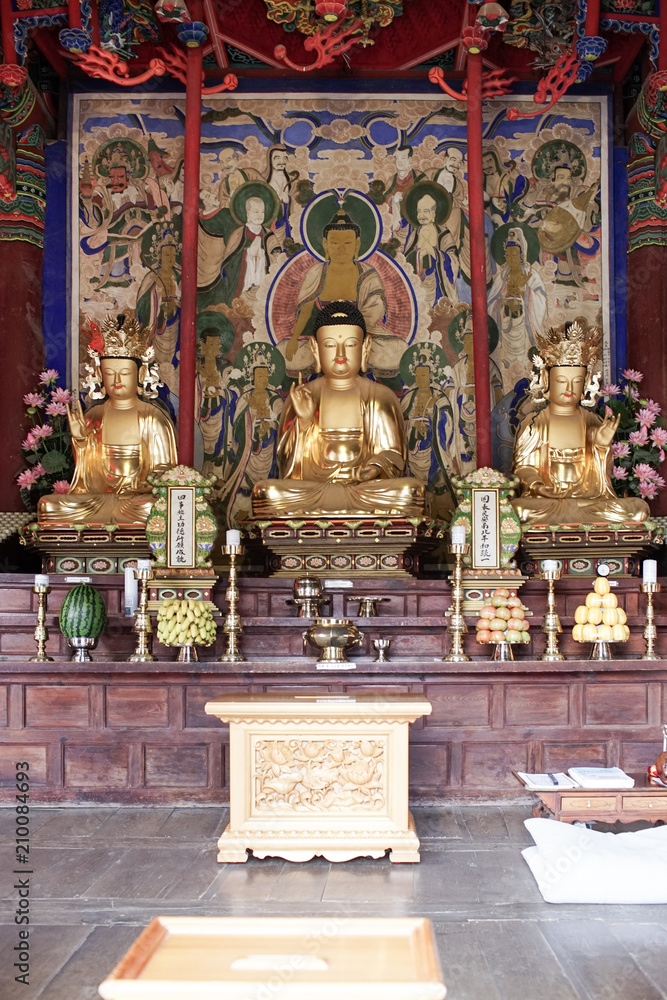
309,775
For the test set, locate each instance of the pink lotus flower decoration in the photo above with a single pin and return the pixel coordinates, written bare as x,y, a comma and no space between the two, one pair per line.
639,437
619,472
42,431
50,375
61,486
27,479
34,399
646,417
59,395
648,491
620,449
56,410
632,375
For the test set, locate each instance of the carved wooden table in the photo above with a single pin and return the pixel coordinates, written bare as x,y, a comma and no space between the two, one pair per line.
243,958
604,805
319,774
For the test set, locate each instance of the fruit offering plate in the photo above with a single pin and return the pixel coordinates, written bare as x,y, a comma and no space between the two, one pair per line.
503,619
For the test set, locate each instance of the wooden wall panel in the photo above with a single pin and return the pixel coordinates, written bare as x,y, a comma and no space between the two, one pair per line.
57,707
490,765
537,705
429,769
11,754
616,704
560,756
458,705
4,704
137,707
96,766
196,698
176,767
636,755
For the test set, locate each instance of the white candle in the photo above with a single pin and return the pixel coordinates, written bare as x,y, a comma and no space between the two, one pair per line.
131,591
458,534
41,580
233,537
144,564
550,566
650,571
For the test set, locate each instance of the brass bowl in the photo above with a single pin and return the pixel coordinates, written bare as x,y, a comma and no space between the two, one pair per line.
307,587
333,636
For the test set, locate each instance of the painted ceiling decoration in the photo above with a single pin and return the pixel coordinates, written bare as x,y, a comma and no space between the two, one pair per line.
533,39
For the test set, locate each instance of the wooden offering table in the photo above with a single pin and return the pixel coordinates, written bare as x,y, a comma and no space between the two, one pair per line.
604,805
246,958
319,774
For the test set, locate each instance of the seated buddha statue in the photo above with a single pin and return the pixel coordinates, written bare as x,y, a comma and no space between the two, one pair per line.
562,453
341,441
118,441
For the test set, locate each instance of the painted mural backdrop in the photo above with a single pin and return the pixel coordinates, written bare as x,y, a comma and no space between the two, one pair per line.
275,172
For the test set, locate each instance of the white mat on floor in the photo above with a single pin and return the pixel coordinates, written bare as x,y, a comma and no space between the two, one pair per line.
573,864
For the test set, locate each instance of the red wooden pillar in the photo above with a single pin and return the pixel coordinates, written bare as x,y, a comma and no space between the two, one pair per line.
187,368
8,46
480,319
592,24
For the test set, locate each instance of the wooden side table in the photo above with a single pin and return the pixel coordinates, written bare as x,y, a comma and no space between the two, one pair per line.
591,805
318,774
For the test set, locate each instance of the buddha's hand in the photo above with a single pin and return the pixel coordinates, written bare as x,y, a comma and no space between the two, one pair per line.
292,345
304,404
368,472
77,422
606,432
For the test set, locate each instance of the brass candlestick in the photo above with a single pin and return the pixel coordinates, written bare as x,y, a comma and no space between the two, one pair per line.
551,625
232,627
142,620
41,634
650,631
457,625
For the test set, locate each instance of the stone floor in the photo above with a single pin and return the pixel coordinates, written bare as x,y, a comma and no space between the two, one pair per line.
100,874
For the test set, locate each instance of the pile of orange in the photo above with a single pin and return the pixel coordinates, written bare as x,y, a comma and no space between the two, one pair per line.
600,618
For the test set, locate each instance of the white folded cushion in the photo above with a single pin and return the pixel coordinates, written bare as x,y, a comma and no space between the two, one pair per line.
572,864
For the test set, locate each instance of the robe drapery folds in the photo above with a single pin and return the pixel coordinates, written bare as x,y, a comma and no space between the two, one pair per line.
109,484
320,468
578,478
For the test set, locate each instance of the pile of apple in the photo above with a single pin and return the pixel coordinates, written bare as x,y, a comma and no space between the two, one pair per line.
600,618
503,619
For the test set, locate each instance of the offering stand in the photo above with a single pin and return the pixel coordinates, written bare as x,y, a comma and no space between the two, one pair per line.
318,774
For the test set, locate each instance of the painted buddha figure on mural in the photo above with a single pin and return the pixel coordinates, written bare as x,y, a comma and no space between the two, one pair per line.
341,442
562,453
341,278
119,440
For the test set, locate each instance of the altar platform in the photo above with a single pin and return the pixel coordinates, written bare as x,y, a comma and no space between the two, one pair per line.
111,731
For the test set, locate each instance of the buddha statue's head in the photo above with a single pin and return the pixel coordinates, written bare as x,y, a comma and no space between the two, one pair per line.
339,343
566,366
341,239
566,385
120,378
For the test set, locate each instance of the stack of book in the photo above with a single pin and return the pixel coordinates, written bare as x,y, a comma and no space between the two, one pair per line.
577,777
601,777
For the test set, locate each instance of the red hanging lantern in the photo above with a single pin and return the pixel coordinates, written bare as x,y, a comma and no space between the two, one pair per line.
331,10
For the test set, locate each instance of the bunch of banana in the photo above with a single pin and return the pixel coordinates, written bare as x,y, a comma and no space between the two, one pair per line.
185,623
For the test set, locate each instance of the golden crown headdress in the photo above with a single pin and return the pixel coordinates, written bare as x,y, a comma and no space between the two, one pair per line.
123,337
572,344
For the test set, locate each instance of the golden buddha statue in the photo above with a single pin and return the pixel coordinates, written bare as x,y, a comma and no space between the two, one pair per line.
562,452
116,442
341,442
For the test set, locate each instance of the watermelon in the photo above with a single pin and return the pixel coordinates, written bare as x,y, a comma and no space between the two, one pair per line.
83,613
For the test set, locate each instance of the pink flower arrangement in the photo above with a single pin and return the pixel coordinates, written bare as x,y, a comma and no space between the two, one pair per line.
641,439
46,448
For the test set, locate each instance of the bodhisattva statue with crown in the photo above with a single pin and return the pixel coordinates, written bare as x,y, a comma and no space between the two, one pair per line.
118,441
563,451
341,443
